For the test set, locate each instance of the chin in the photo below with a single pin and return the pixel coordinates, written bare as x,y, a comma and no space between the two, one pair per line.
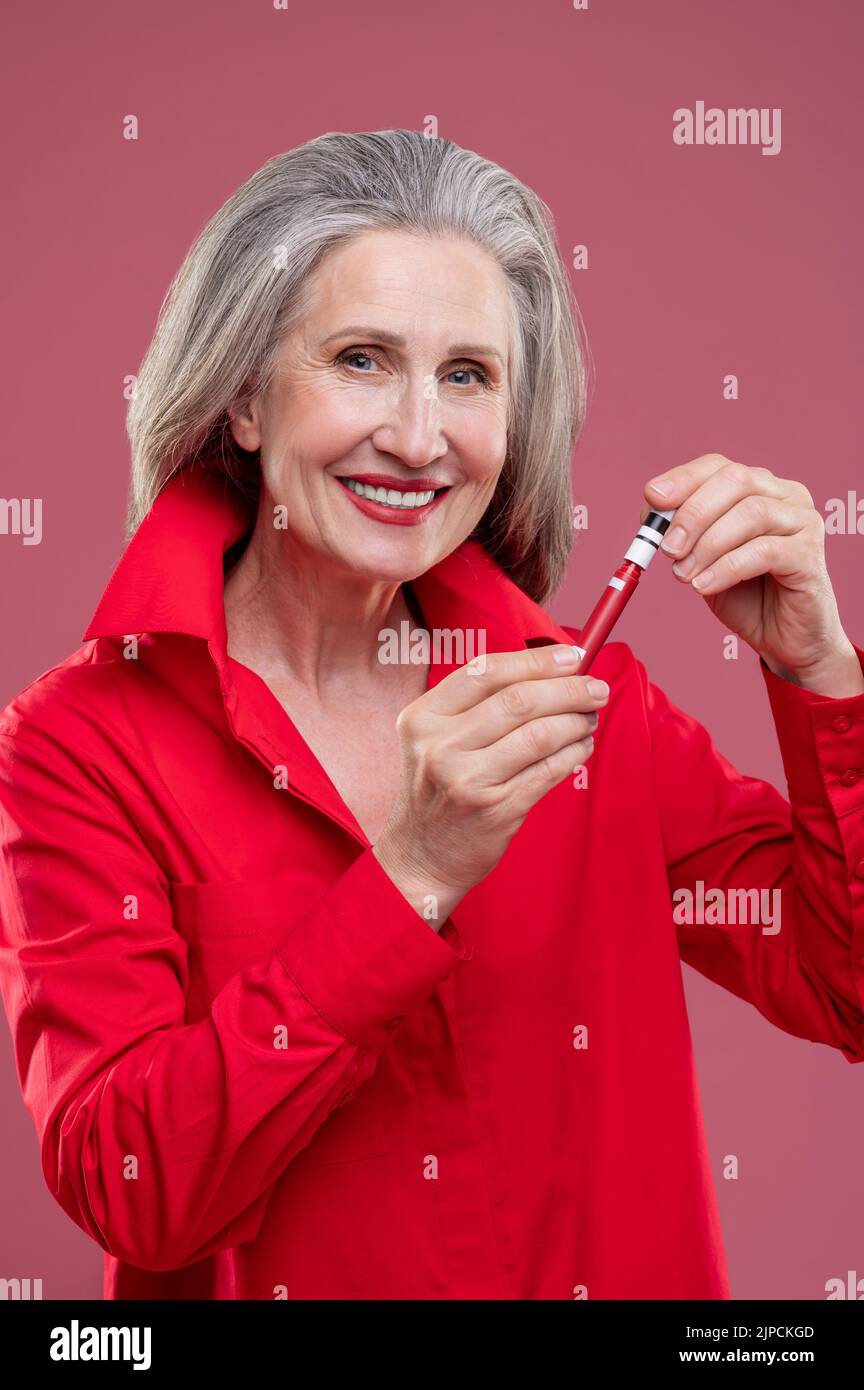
389,569
392,560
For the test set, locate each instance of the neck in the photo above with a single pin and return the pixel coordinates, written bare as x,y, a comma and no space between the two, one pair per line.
291,617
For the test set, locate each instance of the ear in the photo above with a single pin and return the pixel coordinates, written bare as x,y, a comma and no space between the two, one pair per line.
245,420
246,427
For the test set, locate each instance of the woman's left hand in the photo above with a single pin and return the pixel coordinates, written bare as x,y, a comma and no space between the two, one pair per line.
754,547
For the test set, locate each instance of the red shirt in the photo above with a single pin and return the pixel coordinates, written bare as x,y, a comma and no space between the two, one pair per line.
257,1072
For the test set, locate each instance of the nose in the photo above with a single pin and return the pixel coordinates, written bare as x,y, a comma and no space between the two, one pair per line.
411,428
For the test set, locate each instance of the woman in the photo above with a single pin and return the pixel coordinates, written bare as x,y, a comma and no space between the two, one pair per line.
326,975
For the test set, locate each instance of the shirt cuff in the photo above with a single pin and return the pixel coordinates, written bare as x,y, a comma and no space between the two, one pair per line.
822,745
365,957
821,742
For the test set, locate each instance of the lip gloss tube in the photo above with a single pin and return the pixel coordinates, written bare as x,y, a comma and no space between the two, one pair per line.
621,587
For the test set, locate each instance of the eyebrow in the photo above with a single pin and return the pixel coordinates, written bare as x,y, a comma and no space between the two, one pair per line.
360,330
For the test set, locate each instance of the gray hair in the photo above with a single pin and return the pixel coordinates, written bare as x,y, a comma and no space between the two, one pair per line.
242,287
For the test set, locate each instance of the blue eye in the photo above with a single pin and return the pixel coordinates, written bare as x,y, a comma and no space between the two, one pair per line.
478,371
352,355
347,356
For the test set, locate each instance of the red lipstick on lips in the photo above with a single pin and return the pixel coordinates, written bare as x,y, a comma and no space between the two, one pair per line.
379,511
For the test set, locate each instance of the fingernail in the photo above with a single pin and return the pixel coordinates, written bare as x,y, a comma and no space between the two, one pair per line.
662,485
674,539
596,689
702,579
568,656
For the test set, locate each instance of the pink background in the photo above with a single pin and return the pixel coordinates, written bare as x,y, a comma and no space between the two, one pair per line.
703,261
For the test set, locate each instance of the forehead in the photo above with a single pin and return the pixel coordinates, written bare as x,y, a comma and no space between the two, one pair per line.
447,278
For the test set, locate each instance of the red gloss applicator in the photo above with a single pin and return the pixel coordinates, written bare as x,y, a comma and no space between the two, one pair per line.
621,586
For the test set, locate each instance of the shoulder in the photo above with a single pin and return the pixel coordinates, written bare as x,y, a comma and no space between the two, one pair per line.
72,704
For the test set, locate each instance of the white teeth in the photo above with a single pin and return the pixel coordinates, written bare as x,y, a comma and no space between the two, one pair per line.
390,497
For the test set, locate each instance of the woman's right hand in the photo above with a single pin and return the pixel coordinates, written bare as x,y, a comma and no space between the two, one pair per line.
478,750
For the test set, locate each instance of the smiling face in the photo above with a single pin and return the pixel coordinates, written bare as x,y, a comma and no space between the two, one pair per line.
396,375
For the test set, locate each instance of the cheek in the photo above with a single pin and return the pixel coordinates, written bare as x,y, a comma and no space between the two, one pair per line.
319,426
482,448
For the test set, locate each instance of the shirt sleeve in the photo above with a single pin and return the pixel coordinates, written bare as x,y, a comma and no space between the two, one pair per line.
802,859
204,1116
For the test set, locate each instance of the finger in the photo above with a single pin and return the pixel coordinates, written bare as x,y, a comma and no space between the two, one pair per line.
533,782
714,496
780,555
531,743
491,671
677,483
681,482
515,705
753,516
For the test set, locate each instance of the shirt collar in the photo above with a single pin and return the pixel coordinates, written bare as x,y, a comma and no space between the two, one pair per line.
170,576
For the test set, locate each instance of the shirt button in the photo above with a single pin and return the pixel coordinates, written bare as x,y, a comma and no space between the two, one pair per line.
850,776
349,1095
394,1022
859,869
841,723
